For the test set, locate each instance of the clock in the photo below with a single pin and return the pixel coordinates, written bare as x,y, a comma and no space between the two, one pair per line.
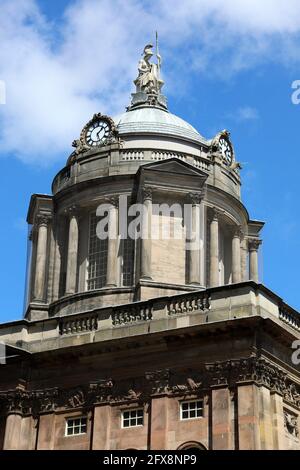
226,151
97,132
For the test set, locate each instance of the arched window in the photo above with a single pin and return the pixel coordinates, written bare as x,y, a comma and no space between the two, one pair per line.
192,445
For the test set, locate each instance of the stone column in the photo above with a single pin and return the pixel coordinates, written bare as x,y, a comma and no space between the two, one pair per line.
41,258
214,250
71,275
236,256
146,235
194,241
112,249
253,259
244,260
59,224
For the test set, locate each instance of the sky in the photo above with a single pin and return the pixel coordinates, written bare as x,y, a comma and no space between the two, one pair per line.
227,65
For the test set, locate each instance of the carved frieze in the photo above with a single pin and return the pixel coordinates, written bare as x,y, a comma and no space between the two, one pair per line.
154,383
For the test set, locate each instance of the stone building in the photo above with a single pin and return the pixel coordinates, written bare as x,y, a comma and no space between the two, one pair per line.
147,342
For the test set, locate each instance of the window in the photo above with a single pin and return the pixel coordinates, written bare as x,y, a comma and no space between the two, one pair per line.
97,257
128,261
191,409
133,418
75,426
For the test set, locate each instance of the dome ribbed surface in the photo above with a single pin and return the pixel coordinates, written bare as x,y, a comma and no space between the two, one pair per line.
156,121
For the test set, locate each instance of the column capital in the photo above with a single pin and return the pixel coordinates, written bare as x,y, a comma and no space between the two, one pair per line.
254,244
42,220
237,232
147,193
72,211
215,214
112,200
197,197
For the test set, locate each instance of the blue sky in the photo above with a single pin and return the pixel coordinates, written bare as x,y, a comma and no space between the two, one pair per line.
224,68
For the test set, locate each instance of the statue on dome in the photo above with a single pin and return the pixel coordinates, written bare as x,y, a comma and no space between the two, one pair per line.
148,80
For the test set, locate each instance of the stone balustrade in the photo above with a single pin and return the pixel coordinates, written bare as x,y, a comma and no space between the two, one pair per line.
78,324
189,303
132,314
219,304
288,316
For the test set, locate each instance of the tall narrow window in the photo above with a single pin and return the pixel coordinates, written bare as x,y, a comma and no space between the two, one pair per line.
127,261
97,257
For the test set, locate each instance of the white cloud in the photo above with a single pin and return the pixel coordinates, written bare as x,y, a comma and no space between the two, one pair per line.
58,75
245,113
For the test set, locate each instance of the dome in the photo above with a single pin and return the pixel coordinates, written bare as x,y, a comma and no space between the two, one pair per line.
152,120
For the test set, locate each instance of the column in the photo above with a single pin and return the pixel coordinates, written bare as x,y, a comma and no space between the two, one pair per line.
112,248
236,256
244,260
146,235
253,259
59,224
194,240
214,250
71,275
41,257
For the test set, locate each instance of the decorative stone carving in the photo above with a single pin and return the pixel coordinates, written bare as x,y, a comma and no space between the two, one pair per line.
112,200
71,211
214,214
147,194
42,220
197,198
237,232
291,424
254,244
81,145
158,382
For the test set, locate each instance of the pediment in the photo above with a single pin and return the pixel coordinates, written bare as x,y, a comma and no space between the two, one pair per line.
176,167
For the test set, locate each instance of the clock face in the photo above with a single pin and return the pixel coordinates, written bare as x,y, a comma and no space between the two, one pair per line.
97,133
226,150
